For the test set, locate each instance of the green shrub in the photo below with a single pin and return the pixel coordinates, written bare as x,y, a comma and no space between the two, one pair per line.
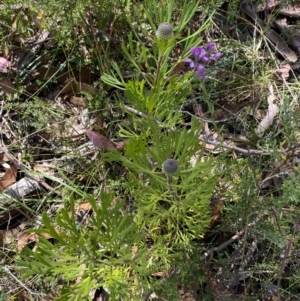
107,252
119,249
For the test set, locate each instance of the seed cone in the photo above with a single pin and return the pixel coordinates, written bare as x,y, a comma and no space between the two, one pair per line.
170,167
164,31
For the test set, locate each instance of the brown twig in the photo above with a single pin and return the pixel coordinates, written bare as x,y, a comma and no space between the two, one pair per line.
249,151
237,149
233,238
6,269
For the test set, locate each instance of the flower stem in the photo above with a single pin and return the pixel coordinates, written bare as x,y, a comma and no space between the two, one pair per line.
171,188
207,98
174,195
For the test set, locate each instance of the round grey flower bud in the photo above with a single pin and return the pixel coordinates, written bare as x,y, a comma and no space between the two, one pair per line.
170,166
164,31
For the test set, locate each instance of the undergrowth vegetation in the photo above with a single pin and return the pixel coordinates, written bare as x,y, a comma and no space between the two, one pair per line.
149,150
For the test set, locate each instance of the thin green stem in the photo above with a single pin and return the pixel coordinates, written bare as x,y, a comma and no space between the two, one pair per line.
171,188
207,98
204,90
174,195
157,73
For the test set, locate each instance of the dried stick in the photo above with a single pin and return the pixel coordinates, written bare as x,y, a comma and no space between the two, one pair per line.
237,149
6,269
233,238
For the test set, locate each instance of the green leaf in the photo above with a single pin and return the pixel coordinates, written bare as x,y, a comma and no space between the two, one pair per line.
49,226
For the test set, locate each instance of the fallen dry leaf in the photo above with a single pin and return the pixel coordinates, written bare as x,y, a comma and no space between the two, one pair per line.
24,238
83,207
82,212
9,178
284,70
267,121
269,118
100,141
77,101
281,46
7,85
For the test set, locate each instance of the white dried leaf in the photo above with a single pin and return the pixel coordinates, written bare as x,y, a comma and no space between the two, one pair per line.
271,113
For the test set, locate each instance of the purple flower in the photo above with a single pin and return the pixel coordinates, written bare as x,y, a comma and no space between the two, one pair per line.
205,59
201,57
198,52
215,56
210,46
191,62
200,71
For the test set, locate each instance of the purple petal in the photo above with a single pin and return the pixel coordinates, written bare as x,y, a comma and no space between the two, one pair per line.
210,46
198,52
215,56
200,71
191,62
205,59
193,50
